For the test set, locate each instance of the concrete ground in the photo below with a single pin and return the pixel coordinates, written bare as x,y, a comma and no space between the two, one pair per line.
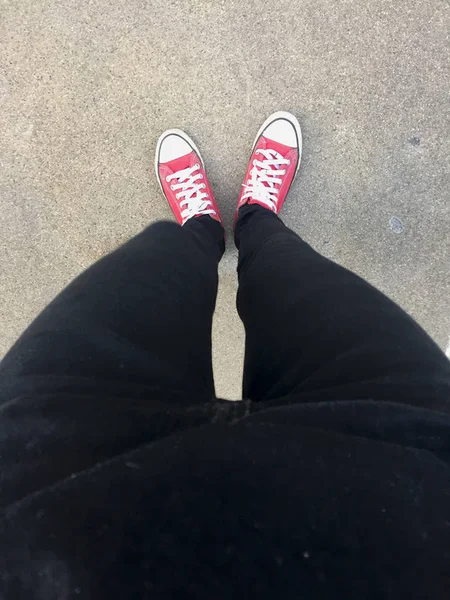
87,86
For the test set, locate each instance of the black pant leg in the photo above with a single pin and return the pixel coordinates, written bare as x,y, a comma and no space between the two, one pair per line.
140,316
120,358
315,328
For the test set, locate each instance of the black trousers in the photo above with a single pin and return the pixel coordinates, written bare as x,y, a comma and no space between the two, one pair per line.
122,357
142,317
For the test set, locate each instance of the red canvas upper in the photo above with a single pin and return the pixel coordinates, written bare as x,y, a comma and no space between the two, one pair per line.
178,164
286,152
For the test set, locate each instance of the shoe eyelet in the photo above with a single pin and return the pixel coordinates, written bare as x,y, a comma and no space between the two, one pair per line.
289,162
201,175
172,187
203,186
256,151
168,178
197,166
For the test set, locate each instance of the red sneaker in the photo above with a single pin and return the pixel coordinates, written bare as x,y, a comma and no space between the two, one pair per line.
274,163
181,174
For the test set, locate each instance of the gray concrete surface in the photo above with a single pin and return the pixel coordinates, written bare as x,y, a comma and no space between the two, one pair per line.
88,85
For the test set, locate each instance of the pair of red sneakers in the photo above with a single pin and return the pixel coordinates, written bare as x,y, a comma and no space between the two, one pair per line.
273,165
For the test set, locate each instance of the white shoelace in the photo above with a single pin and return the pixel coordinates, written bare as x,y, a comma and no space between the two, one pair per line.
192,198
263,172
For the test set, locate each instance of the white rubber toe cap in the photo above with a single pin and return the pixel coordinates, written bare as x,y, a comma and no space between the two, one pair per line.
281,131
173,146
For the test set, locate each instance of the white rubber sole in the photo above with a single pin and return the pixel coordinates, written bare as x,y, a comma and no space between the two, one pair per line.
181,134
288,117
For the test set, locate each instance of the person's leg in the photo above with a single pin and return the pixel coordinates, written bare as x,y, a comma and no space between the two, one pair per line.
313,328
122,357
140,316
